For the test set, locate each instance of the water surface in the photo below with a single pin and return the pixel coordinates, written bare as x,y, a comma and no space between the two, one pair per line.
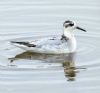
25,72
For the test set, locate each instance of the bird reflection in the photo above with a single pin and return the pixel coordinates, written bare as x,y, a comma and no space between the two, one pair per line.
67,61
69,67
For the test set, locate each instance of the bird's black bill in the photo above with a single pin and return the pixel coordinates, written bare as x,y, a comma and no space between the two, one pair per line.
80,29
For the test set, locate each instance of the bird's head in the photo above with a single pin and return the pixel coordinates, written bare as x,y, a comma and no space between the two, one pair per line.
71,25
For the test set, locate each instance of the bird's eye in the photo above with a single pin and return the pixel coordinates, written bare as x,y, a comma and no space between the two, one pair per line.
72,24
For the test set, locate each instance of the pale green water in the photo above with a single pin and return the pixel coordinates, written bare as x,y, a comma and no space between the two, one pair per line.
36,73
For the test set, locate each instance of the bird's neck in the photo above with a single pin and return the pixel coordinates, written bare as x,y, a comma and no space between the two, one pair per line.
71,39
68,33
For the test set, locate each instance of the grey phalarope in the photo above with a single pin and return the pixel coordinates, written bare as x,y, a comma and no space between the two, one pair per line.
54,45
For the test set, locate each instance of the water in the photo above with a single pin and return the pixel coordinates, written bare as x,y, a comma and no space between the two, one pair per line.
24,72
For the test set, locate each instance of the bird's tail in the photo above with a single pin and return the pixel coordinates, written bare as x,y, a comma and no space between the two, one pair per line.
24,43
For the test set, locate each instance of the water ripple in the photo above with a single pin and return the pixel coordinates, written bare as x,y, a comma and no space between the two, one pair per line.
32,19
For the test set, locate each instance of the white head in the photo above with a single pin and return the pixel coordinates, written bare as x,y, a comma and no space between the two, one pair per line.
69,27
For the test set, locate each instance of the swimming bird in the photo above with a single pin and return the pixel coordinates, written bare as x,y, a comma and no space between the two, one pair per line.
66,43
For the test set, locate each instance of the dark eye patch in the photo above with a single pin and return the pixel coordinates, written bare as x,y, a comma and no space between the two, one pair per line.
67,25
72,24
67,22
